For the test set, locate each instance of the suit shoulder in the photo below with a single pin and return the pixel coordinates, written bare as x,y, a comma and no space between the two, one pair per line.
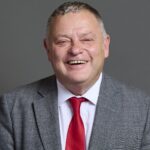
26,92
128,92
33,86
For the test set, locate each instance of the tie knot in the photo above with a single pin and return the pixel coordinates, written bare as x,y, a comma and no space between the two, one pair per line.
76,102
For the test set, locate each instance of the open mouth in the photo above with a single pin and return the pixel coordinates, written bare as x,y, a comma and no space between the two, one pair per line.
76,62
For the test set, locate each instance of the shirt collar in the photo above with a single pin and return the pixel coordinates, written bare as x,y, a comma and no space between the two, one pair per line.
92,93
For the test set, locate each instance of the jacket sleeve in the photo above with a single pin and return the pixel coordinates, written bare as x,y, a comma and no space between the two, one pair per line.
6,127
146,135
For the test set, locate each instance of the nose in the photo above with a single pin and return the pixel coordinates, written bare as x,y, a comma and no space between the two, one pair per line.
75,48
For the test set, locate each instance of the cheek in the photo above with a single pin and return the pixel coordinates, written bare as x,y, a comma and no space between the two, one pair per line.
94,46
95,51
56,55
51,56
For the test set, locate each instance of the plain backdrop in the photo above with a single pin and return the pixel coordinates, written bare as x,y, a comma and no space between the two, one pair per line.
22,29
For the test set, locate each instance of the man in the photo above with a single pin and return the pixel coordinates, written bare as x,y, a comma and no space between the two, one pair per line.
42,115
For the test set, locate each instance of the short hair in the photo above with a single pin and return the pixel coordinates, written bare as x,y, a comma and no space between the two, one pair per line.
74,7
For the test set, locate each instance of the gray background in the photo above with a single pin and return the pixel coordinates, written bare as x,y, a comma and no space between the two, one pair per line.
22,28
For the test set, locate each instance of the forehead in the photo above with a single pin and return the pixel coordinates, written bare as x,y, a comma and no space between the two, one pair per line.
81,20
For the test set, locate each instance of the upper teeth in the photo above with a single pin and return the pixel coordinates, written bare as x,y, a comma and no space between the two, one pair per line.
77,62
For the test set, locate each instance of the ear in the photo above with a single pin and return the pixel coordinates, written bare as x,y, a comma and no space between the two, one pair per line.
106,46
47,48
46,45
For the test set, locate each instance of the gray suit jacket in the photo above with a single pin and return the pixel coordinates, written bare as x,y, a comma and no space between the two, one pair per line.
29,118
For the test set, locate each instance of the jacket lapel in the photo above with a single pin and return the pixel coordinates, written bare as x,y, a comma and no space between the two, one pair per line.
107,112
46,114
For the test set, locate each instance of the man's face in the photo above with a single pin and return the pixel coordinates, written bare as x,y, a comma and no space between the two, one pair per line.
77,49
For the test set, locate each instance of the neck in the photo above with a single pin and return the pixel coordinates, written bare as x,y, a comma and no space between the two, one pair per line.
79,88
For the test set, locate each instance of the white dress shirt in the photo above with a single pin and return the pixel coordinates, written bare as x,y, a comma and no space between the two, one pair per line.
87,110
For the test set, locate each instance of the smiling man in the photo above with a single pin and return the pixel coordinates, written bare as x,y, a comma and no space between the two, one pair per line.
79,107
76,47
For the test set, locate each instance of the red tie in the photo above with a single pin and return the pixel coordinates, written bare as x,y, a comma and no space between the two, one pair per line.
76,134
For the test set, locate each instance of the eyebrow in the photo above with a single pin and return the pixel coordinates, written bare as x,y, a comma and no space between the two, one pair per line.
63,35
69,36
86,34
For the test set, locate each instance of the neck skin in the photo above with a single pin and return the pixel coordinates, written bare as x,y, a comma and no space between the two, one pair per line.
79,89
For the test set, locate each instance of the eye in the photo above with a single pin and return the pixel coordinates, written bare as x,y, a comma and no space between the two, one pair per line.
87,39
62,42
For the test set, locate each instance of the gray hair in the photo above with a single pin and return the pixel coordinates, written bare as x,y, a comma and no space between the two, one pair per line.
74,7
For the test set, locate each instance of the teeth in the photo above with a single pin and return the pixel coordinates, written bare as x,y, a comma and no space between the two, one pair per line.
72,62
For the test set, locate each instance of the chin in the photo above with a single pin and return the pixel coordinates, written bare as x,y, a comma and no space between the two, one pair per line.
78,80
